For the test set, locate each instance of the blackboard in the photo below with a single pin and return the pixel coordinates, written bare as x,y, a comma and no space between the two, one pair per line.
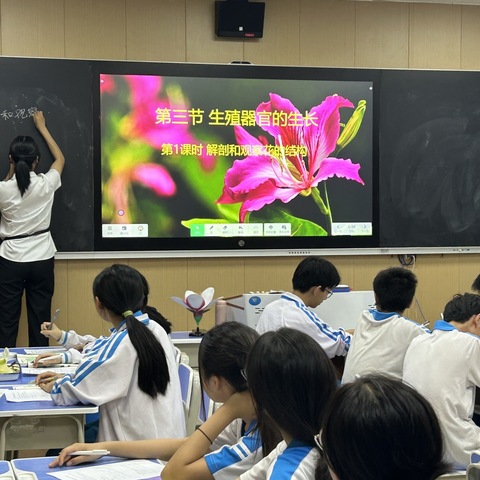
428,149
62,90
429,162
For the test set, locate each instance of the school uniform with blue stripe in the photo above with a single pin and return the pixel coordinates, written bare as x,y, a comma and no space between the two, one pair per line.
290,311
295,461
108,377
236,450
379,344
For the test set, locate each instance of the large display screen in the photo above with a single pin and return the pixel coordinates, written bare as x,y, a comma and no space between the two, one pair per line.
192,157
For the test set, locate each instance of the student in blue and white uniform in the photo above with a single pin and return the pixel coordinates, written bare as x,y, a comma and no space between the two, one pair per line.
378,428
313,282
445,368
382,334
291,380
237,446
77,345
132,374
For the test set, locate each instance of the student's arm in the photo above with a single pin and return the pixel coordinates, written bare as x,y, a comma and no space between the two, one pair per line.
58,158
161,448
188,462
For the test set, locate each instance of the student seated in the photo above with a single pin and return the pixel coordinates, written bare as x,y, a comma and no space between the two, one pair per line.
291,380
221,358
445,368
131,375
382,334
313,282
378,428
77,345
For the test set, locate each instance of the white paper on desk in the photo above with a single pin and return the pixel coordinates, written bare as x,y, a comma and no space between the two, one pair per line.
27,395
3,390
131,469
36,371
24,360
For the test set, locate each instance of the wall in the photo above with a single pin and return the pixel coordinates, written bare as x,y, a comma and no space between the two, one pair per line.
297,32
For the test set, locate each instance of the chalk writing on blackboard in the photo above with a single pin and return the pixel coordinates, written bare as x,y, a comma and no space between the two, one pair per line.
18,113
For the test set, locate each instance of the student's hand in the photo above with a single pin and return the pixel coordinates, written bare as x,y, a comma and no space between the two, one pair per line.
54,332
52,360
46,380
64,458
39,119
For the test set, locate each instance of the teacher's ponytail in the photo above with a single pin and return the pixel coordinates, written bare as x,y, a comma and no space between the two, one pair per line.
23,152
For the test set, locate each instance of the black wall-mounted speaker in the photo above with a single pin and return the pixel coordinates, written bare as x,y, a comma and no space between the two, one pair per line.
239,18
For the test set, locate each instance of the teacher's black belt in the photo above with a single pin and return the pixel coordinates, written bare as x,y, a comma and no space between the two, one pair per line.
26,235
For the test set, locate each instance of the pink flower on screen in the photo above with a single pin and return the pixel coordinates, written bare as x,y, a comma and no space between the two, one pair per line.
155,177
152,176
146,100
259,180
107,85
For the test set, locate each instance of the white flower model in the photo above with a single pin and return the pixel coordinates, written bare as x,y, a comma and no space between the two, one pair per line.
198,304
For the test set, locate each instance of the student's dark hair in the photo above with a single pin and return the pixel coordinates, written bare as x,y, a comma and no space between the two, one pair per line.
120,289
24,151
476,285
378,428
462,307
394,289
291,380
315,272
152,312
223,352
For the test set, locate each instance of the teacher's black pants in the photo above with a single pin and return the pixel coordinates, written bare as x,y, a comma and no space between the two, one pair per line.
37,279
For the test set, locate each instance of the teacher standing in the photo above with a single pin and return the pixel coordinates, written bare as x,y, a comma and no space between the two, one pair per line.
27,249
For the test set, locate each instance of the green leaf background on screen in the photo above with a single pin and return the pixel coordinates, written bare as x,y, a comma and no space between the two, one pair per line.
299,226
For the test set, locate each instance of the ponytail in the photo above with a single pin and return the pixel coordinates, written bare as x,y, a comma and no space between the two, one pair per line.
23,151
120,289
153,375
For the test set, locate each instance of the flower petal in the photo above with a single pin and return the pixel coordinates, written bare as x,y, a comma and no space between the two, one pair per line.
321,139
195,301
155,177
265,194
208,294
339,168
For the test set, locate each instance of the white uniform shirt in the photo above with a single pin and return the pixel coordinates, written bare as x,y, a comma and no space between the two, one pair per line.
27,215
379,344
297,461
234,451
76,345
290,311
445,368
108,376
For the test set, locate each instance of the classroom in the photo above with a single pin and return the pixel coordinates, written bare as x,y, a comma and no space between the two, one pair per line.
327,33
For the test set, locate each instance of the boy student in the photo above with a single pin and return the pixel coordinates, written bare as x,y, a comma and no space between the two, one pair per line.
445,368
382,334
313,282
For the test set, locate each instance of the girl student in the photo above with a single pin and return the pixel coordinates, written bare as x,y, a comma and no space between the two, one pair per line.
291,380
377,428
27,249
77,344
132,374
237,446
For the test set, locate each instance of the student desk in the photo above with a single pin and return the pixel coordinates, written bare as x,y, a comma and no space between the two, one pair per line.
38,469
39,425
187,344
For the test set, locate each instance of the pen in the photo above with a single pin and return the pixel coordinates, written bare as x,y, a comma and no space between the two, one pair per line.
57,313
90,452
